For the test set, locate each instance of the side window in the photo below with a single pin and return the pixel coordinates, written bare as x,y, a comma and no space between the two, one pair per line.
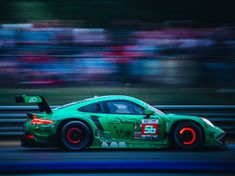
124,107
94,108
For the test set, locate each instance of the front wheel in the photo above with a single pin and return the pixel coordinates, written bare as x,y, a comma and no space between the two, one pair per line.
188,136
75,135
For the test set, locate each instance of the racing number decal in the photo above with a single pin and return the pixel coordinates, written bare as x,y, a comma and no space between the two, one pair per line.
149,127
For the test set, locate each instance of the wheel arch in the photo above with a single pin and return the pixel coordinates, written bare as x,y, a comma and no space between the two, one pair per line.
174,125
64,121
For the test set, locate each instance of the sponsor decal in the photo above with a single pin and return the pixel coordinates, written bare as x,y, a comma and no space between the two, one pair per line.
137,135
33,99
149,121
113,144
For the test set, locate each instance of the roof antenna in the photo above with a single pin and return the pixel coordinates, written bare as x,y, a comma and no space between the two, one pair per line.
126,85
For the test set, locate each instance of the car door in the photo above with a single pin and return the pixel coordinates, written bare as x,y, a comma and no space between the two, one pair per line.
124,117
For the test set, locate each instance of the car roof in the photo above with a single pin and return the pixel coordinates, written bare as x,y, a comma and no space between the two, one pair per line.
110,97
97,99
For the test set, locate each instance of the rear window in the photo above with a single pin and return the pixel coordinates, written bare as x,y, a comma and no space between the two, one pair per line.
93,108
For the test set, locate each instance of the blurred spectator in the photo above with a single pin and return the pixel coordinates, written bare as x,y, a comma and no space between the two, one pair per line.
52,53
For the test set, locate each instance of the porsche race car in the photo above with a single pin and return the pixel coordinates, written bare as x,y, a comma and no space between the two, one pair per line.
115,121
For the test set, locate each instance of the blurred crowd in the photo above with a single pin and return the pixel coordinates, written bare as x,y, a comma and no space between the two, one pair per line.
54,53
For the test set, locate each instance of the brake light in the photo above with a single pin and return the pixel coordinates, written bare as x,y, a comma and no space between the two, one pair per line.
41,121
29,136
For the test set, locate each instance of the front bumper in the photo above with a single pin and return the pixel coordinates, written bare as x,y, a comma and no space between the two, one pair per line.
220,140
214,137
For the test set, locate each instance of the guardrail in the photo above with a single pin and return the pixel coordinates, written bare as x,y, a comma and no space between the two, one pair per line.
13,117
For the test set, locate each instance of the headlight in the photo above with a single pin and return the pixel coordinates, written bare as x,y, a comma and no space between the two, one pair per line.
208,122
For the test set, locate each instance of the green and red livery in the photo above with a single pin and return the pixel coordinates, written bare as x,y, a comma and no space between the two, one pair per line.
115,121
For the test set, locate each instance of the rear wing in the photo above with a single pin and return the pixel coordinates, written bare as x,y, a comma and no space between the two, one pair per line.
41,102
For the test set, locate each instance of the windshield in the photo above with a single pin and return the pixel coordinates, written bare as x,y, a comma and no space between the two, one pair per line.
155,110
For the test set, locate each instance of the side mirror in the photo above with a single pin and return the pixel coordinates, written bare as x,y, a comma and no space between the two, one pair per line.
148,112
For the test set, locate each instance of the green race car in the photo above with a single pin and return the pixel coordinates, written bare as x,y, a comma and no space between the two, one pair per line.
115,121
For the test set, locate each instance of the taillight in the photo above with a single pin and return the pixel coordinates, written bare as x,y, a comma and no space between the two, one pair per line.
41,121
29,136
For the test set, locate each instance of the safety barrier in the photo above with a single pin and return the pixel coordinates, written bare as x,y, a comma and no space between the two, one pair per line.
13,117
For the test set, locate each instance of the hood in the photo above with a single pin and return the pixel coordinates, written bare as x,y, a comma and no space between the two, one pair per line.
181,117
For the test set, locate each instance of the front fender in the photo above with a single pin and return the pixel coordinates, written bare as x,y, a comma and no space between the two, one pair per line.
172,119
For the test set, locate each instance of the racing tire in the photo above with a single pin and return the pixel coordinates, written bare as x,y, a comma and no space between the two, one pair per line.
187,136
75,135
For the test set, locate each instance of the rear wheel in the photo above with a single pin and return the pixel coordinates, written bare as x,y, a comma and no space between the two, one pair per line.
75,135
188,136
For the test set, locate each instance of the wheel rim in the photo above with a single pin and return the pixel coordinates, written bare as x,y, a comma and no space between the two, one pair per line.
74,135
188,135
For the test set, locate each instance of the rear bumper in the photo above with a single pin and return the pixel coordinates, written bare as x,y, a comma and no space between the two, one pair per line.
30,142
26,142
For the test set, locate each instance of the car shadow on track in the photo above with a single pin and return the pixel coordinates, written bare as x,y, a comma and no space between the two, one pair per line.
121,150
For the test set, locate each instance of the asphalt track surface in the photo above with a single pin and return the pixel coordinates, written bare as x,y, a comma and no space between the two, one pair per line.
37,161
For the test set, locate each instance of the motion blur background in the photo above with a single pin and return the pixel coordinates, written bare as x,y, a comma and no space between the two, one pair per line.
164,52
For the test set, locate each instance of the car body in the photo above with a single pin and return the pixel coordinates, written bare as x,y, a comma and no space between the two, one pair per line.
115,121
